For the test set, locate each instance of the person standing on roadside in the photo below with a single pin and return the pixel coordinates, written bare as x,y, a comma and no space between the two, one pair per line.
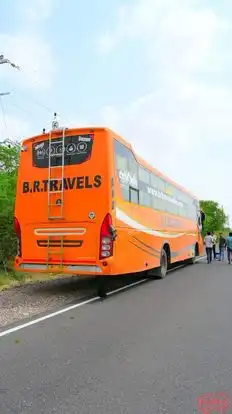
222,245
208,246
214,245
229,247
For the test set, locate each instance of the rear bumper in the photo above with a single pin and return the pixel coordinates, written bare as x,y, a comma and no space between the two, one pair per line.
67,268
80,269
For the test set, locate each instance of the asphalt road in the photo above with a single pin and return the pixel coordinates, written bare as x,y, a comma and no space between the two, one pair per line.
152,349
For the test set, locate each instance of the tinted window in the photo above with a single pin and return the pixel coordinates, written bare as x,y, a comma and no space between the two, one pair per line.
127,169
145,199
157,192
78,149
143,187
144,175
157,182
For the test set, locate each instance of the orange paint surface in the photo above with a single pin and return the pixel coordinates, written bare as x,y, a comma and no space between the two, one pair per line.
74,243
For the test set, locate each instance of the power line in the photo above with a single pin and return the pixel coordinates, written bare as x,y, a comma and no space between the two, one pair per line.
4,60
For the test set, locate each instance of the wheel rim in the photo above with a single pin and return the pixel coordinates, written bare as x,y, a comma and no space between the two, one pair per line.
164,264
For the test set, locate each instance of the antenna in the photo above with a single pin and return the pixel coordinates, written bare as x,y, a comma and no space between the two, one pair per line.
55,122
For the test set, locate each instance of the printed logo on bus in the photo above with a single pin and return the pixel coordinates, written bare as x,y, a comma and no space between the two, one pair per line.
164,196
68,183
127,178
76,150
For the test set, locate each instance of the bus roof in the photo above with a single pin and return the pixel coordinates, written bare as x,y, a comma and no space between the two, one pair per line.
122,140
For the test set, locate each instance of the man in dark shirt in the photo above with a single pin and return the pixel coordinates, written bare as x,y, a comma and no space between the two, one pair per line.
222,245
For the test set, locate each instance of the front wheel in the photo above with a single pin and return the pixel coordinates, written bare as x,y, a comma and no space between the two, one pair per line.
192,260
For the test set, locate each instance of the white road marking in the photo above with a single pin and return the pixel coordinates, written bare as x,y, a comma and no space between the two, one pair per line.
127,286
77,305
67,309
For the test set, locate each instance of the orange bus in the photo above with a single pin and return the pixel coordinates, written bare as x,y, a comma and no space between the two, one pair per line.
86,204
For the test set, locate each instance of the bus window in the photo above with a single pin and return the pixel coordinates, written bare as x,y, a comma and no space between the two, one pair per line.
78,149
125,192
172,205
157,182
127,169
145,198
157,190
144,175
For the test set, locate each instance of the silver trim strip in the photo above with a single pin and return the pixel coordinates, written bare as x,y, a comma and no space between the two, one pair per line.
60,231
74,268
92,269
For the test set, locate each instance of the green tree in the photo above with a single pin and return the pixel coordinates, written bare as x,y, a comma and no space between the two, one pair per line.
9,156
215,217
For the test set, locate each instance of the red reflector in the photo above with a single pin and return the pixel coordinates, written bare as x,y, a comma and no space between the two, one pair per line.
17,227
106,242
105,228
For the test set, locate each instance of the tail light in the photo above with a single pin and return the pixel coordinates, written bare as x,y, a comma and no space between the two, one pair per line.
18,235
106,239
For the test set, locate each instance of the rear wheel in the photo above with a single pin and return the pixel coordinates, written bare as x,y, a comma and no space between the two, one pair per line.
101,287
161,271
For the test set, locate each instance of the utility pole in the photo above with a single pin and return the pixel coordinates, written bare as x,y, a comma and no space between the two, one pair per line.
2,94
4,60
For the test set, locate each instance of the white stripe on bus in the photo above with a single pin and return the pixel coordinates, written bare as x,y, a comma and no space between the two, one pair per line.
122,216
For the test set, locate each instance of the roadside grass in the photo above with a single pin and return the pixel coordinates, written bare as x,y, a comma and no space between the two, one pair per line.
11,278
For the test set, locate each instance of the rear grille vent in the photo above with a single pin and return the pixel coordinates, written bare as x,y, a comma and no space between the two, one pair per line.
59,243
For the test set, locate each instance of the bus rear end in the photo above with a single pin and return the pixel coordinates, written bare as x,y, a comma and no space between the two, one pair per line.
63,204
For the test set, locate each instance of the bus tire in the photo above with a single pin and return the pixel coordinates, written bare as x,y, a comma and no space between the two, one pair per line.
101,287
192,260
161,271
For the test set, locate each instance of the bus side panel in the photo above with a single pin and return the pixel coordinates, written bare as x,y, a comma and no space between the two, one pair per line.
142,236
135,250
151,211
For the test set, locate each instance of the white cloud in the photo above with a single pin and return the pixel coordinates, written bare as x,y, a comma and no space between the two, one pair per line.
28,48
140,19
106,43
183,127
35,10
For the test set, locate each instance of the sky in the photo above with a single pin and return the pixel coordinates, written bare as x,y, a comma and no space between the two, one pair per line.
158,72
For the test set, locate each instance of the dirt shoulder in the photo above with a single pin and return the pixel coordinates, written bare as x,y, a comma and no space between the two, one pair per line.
29,297
32,297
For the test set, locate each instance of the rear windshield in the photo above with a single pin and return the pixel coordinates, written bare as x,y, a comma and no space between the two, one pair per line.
78,149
